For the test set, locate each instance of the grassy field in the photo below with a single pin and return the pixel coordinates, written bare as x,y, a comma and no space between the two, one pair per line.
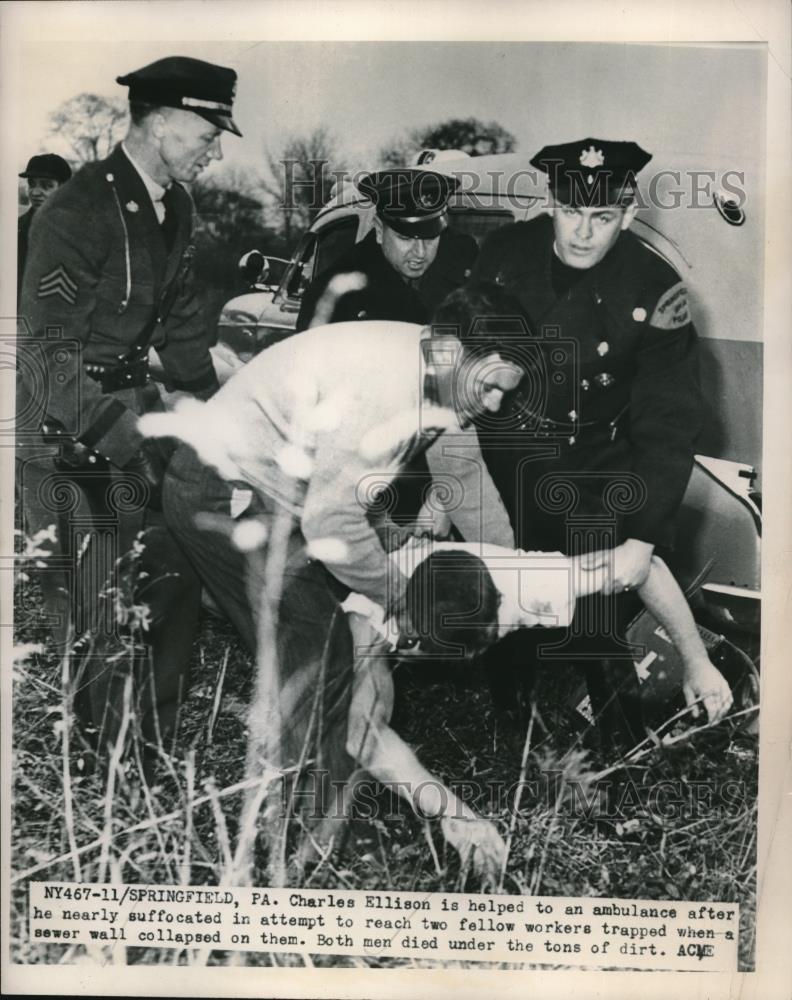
577,822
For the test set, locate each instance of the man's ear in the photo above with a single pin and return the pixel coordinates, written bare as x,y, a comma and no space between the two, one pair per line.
378,228
157,124
629,215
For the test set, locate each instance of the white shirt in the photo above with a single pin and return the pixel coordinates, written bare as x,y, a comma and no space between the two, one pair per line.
156,191
536,588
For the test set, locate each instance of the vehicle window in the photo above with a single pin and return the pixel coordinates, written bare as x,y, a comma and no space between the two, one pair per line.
316,253
277,270
333,241
299,271
478,223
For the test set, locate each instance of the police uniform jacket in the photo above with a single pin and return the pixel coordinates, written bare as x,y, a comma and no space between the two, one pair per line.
387,295
99,277
619,359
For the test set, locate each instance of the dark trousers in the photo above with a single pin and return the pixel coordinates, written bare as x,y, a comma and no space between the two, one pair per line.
559,502
313,645
117,588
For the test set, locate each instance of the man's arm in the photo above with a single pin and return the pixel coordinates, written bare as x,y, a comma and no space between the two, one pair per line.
664,414
703,682
336,507
385,755
185,354
663,598
464,488
664,421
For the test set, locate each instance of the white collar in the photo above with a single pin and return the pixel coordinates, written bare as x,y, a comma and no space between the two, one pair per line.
156,191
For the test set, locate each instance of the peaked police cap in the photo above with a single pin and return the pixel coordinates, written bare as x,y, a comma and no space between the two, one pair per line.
189,84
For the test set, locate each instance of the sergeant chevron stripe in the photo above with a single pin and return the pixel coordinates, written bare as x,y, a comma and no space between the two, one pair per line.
58,282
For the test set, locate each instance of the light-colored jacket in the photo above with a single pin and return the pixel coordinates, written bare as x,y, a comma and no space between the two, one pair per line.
322,422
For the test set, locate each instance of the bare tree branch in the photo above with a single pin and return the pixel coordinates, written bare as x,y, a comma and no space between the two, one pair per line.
469,135
89,125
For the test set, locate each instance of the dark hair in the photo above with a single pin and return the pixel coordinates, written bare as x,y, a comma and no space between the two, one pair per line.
485,318
452,602
140,110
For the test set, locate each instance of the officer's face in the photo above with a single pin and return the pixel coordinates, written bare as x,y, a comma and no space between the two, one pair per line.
584,235
409,256
481,384
40,188
187,144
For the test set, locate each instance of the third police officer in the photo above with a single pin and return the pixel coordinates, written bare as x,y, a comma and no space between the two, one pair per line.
615,399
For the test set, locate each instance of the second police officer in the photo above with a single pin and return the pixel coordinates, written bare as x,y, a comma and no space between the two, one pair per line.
410,260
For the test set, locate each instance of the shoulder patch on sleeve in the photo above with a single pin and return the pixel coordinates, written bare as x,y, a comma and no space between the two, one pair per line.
672,310
58,282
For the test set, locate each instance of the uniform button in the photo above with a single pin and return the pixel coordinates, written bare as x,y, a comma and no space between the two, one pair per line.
639,314
572,415
584,383
92,459
602,348
605,379
572,439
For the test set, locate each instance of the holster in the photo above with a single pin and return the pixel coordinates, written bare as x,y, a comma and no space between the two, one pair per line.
130,373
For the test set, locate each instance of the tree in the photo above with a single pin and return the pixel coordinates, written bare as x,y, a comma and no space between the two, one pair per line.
230,220
469,135
90,126
301,181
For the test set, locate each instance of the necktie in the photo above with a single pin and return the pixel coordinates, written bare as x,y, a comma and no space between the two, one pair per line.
169,223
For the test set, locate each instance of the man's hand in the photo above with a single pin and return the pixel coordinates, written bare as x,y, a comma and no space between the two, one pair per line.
150,462
74,455
705,683
407,638
631,563
432,523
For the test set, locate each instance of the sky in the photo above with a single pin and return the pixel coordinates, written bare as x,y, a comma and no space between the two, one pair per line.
682,99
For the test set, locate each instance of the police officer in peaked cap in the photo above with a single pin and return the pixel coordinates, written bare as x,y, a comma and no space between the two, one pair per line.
615,404
409,263
410,260
110,268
